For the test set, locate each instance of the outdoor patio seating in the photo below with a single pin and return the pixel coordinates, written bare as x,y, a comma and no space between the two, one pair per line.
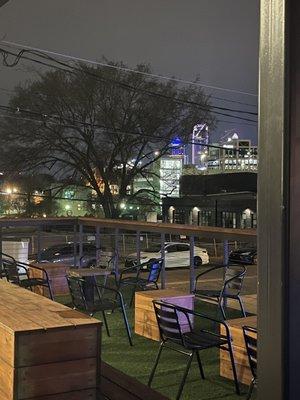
152,271
230,288
189,341
17,272
250,336
108,299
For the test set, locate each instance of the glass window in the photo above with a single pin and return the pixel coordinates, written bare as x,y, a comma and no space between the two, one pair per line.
183,247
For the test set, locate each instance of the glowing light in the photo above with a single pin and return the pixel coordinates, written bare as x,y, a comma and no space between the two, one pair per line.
122,206
67,207
8,190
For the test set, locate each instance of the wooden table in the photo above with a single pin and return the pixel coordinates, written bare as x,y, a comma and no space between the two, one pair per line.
57,275
46,349
239,350
89,274
145,319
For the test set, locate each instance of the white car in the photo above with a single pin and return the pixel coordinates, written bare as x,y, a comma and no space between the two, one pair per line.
176,255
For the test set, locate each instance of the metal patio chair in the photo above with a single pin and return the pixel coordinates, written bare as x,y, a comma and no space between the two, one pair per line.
230,289
187,340
152,270
108,299
250,336
17,272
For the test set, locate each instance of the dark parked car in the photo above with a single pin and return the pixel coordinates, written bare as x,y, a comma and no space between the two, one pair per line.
243,256
64,253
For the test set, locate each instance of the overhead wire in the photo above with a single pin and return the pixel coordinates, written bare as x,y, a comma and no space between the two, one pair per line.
109,130
73,68
125,69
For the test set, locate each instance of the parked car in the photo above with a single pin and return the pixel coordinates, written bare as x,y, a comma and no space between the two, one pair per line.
243,256
176,255
64,253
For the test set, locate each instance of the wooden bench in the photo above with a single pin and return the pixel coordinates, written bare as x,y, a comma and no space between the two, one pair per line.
57,276
145,319
47,351
115,385
239,350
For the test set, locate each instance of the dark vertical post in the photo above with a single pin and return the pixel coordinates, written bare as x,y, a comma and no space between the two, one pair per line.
75,244
80,243
97,243
116,266
138,246
192,264
38,257
225,252
278,202
163,256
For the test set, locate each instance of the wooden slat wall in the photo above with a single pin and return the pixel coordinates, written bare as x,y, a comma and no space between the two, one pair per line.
239,350
145,319
46,348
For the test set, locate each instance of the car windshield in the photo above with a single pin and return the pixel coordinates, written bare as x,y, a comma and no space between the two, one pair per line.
154,248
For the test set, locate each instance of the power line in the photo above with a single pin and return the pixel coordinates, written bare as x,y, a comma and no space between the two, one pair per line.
121,84
125,69
58,119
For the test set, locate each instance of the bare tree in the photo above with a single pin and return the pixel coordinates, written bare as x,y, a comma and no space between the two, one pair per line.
97,124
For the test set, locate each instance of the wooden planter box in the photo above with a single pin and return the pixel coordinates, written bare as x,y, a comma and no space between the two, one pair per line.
145,319
47,351
57,275
239,350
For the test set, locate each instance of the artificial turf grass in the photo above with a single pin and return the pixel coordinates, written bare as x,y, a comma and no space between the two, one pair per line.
137,361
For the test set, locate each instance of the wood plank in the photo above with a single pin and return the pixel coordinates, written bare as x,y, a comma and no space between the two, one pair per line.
78,343
56,378
7,379
89,394
45,347
118,386
243,373
239,350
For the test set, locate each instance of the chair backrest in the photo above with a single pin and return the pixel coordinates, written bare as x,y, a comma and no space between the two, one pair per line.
168,322
76,292
9,265
250,336
154,271
234,278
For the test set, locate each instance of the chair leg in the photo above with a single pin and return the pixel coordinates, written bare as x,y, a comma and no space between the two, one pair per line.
242,306
221,307
184,376
236,382
155,364
250,389
126,324
200,365
105,323
50,291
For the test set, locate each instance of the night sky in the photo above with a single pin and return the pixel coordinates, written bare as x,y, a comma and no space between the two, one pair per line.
215,39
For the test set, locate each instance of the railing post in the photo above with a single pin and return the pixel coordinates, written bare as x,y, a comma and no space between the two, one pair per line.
97,242
80,243
163,256
116,266
225,253
75,244
138,246
38,257
225,263
192,264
